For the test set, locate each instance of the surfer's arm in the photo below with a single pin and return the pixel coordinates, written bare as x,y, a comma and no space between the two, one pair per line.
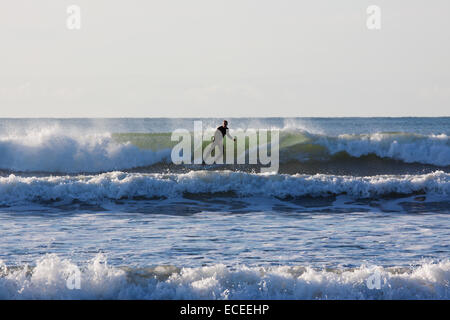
229,135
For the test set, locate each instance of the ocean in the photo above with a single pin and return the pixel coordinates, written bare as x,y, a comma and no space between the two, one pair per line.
95,209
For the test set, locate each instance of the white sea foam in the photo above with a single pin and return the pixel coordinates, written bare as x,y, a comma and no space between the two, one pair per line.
117,185
433,149
48,280
54,150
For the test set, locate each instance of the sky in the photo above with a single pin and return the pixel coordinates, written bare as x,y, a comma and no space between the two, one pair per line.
224,58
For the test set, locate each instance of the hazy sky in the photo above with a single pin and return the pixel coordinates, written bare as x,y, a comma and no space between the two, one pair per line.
227,58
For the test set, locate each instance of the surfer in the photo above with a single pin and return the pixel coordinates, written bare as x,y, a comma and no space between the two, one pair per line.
219,135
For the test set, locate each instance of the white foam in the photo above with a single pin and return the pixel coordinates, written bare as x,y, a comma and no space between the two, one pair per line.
433,149
48,280
117,185
55,150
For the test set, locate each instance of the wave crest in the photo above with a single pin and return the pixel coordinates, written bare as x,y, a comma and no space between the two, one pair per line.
410,148
57,151
120,185
48,280
53,150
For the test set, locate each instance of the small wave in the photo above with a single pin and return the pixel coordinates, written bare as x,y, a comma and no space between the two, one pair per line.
49,277
119,185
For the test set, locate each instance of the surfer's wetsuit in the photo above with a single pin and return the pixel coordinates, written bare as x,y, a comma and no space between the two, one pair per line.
224,131
219,135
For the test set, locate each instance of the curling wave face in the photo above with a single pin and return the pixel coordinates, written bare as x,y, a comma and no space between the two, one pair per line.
98,280
56,151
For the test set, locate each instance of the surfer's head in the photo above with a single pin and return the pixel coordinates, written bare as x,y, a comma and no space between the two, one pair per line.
225,123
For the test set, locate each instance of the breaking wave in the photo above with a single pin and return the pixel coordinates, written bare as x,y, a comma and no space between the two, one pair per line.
48,279
57,151
121,185
409,148
53,150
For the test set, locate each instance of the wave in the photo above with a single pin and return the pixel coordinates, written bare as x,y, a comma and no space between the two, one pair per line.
120,185
57,151
409,148
49,279
303,145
